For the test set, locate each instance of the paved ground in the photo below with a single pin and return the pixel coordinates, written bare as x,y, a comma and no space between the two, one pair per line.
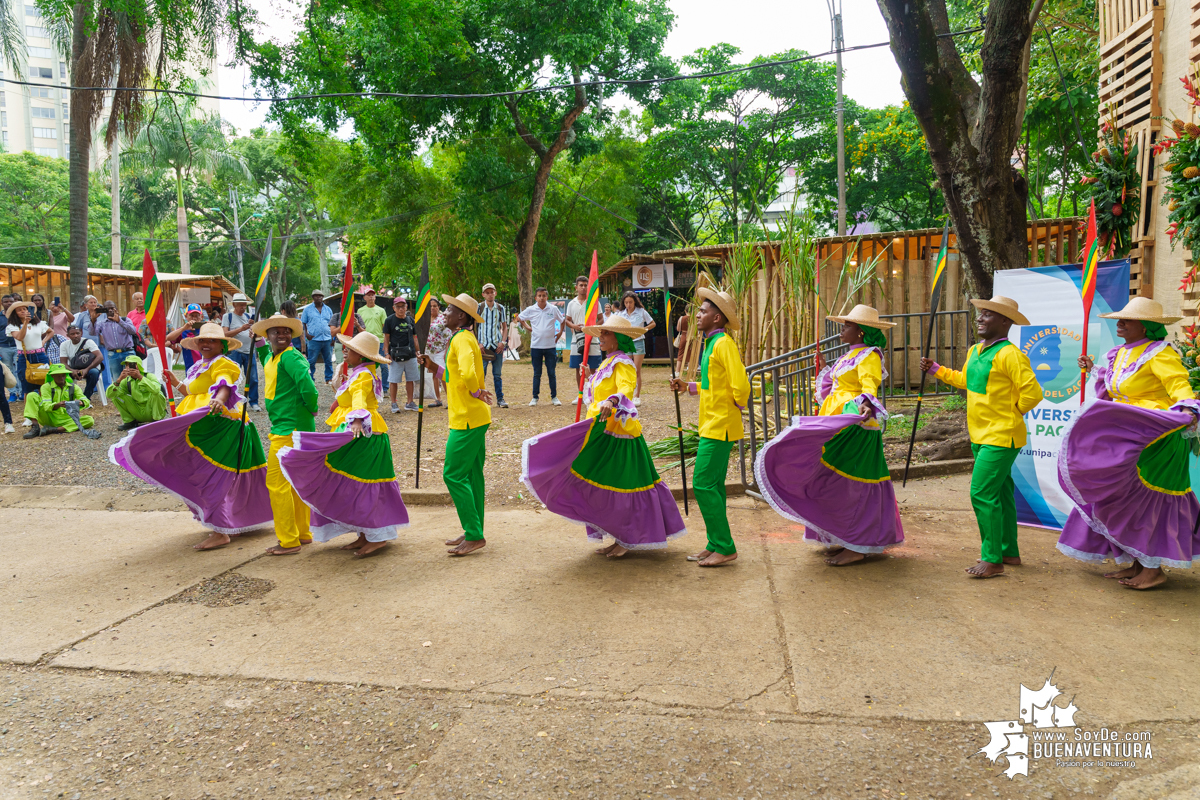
131,666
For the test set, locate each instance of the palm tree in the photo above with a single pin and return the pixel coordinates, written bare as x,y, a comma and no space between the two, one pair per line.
12,42
188,145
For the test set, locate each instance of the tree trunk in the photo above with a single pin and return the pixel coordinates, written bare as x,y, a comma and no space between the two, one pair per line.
970,129
114,161
81,143
185,256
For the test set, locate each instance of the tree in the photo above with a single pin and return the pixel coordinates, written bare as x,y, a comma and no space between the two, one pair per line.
33,206
971,126
890,179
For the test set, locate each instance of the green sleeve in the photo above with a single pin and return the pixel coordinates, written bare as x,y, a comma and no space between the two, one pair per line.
147,393
306,391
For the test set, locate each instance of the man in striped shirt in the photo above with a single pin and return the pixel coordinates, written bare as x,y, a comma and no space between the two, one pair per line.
493,335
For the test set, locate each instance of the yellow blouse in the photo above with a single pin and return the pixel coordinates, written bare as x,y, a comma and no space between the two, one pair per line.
200,380
623,381
464,379
358,395
863,378
1158,384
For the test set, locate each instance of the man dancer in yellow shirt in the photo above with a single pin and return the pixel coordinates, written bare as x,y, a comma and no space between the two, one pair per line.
1001,389
467,402
724,391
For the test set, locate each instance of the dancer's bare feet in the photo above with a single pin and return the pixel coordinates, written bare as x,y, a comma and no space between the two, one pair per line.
467,546
703,554
306,541
1014,561
369,548
213,541
361,541
616,551
455,542
985,569
844,557
283,551
1146,579
833,551
1128,572
603,551
717,559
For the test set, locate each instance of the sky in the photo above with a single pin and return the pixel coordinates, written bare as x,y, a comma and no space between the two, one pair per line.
759,27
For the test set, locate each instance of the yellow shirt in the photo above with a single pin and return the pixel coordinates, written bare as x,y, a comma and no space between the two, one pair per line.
464,379
623,381
202,377
358,395
1001,389
724,389
1158,384
863,378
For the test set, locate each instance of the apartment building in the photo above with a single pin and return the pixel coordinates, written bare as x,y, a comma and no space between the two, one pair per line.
36,117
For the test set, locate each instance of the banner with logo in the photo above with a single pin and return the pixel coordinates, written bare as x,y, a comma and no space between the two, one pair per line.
651,276
1050,298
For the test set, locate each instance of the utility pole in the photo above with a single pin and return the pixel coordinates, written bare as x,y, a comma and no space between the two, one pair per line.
237,235
114,162
835,14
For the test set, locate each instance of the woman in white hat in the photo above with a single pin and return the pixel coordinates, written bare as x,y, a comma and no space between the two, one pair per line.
599,473
205,455
346,476
828,472
1125,459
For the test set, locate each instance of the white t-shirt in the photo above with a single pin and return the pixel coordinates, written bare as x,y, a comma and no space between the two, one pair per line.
543,322
33,335
577,313
638,318
69,349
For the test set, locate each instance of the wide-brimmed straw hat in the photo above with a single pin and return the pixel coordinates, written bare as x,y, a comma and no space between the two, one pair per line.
1005,307
864,315
724,303
466,303
261,327
21,304
209,330
1142,309
615,324
366,344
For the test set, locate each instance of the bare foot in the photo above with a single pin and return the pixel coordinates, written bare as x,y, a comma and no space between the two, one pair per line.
844,557
616,551
1014,561
467,546
283,551
1128,572
1146,579
213,541
985,569
833,551
306,541
370,548
717,559
703,554
361,541
455,542
603,551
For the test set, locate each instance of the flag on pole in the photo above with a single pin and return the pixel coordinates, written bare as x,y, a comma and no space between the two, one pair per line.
156,316
590,307
346,322
260,286
939,269
1087,285
421,306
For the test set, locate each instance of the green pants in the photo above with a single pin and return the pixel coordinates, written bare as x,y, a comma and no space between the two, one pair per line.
708,487
463,476
37,407
994,501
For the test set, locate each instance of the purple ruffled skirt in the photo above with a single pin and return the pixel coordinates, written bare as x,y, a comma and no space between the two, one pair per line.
194,457
567,480
348,484
854,509
1119,513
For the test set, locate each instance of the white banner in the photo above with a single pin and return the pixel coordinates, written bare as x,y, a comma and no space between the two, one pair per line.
650,276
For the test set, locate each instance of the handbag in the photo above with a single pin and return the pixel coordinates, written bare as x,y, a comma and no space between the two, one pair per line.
10,380
35,373
81,360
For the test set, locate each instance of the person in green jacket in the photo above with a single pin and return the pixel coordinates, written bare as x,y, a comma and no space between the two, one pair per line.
136,395
46,409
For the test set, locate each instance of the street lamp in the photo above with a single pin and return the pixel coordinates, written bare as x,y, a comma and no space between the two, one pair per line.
237,235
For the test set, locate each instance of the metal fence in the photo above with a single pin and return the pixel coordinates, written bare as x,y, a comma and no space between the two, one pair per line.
783,387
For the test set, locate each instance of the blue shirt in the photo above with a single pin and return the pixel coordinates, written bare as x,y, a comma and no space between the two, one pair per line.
316,321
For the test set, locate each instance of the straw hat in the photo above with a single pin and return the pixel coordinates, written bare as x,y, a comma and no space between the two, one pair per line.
724,303
261,327
1142,309
864,315
240,297
1005,307
615,324
209,330
465,302
15,306
366,344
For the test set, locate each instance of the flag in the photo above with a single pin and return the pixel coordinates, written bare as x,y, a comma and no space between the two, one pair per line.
260,286
346,322
421,306
1087,284
939,269
593,294
156,317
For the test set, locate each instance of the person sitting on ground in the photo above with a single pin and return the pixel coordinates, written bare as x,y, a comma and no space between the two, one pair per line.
138,396
46,409
82,358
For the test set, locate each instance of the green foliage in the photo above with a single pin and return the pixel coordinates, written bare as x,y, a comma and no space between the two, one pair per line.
33,210
668,447
1115,185
890,179
1182,195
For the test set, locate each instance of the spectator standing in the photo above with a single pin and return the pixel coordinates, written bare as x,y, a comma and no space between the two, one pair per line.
316,319
87,319
30,335
8,349
82,358
400,345
514,339
493,338
638,317
371,318
236,325
435,348
59,318
116,337
576,316
288,309
40,312
138,315
540,319
193,319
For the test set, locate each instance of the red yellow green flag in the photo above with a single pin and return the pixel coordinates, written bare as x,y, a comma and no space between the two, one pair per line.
346,322
1087,284
156,316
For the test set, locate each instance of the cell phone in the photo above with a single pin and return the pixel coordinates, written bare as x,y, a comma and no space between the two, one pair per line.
57,301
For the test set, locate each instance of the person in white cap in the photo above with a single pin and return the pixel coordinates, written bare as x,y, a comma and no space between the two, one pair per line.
493,337
236,324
